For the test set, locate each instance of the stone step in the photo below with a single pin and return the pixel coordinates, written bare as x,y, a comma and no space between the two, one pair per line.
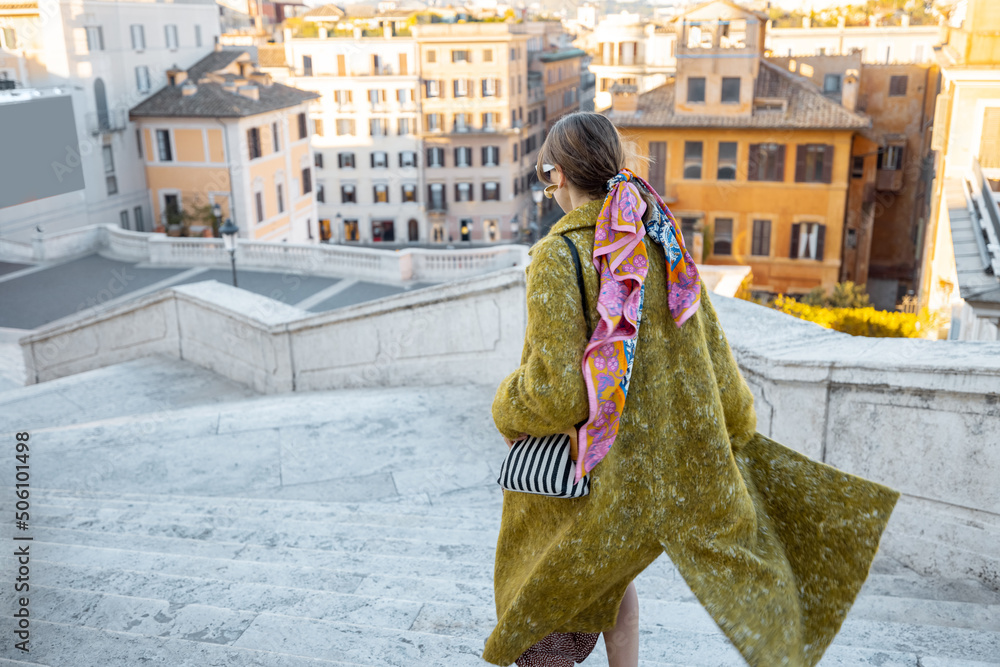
434,528
5,662
62,645
133,388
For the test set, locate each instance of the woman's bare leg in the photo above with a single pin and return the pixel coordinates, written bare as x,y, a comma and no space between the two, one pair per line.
622,641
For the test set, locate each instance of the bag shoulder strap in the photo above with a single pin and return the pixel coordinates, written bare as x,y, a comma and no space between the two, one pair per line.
579,280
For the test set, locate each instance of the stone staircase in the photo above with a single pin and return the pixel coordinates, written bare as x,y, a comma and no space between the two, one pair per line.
179,519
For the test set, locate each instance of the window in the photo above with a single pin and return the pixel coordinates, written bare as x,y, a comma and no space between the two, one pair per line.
658,165
138,37
890,158
487,55
281,198
318,160
688,227
379,160
414,230
461,88
726,169
696,89
138,141
320,192
433,122
409,193
491,191
376,96
95,38
345,126
491,120
813,163
408,159
437,233
381,193
350,230
463,122
318,126
460,56
857,167
766,162
463,156
306,181
275,137
170,34
303,127
142,78
807,240
123,218
465,228
164,152
307,66
435,157
722,239
432,88
692,159
730,89
342,96
403,126
463,191
897,86
383,231
436,196
832,84
345,160
432,56
378,127
348,194
253,142
109,170
259,200
197,35
137,214
491,156
490,87
761,244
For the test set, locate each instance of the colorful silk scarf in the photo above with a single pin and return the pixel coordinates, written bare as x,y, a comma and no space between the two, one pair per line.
621,262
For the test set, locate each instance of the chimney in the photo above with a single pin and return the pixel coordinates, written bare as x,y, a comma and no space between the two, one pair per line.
176,76
624,98
229,86
260,78
218,44
188,88
249,90
849,90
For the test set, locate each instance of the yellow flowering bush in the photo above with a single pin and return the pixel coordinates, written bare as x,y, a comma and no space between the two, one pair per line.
860,321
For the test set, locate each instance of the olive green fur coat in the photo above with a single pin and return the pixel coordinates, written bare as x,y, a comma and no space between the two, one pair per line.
775,545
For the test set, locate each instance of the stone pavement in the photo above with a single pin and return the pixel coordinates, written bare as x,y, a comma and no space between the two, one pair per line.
180,519
35,295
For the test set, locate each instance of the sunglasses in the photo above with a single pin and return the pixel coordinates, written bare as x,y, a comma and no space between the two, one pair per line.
550,190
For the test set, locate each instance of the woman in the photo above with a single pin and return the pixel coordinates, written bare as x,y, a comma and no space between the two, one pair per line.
774,545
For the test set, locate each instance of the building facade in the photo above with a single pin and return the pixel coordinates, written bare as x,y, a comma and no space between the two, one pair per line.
884,45
223,133
753,160
112,56
629,50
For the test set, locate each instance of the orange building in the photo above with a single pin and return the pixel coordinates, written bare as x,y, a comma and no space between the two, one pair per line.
753,160
223,133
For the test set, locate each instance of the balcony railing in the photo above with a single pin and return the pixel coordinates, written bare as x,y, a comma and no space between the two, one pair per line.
114,120
989,215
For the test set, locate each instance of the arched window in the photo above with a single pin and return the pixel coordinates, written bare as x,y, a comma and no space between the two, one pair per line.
101,101
414,231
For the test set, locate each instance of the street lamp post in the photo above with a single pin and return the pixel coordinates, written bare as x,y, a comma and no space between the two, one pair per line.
217,214
229,231
537,193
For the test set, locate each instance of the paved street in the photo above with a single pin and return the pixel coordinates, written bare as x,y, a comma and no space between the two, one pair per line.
32,296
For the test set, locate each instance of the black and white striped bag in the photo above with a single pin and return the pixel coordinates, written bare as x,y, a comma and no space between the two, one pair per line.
542,465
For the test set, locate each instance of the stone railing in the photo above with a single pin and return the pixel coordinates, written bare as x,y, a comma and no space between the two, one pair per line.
921,416
321,259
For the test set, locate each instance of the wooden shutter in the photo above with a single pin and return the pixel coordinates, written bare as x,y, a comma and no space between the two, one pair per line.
800,163
820,241
780,168
341,65
753,163
441,88
828,163
402,63
658,166
793,252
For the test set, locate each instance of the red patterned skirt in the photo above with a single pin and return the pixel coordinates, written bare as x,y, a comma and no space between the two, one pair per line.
559,649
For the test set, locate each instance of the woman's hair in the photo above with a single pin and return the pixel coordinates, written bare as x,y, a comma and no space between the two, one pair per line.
590,150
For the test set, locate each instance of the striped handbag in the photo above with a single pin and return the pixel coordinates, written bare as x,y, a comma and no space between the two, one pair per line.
543,464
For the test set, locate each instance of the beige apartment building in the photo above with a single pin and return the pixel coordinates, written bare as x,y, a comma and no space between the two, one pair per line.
474,110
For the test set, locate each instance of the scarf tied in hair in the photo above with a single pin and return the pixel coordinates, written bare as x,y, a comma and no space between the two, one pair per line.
621,262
